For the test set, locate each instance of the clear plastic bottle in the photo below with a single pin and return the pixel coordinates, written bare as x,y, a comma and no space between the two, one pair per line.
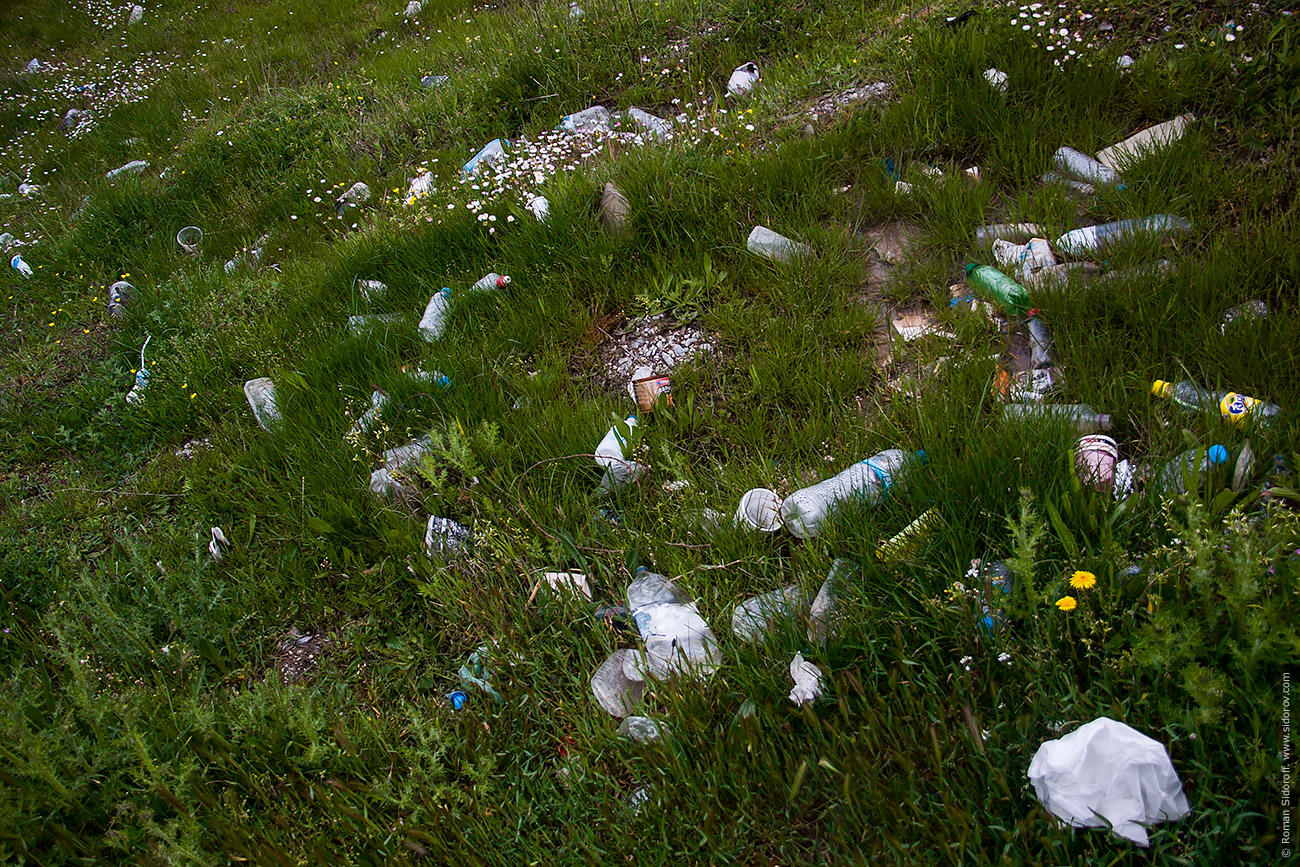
434,320
1232,406
1172,479
491,281
806,510
1092,238
1040,344
1086,420
587,121
119,294
1084,167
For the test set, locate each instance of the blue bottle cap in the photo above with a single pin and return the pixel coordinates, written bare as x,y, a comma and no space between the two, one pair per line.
925,459
1217,454
457,699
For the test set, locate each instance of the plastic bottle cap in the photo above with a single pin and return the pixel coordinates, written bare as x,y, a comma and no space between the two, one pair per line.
1160,388
925,459
458,699
970,266
1217,454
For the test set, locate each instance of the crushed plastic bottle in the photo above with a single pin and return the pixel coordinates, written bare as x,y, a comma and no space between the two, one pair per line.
492,152
1027,261
611,453
132,168
908,540
1085,168
445,538
1249,313
432,81
354,197
1092,238
997,79
1014,232
540,208
421,185
74,118
408,456
1232,406
477,671
806,510
21,266
677,639
656,126
641,729
119,294
614,210
756,617
821,612
367,420
260,394
588,121
1056,179
617,685
371,290
360,324
1084,418
1173,478
135,16
743,80
764,242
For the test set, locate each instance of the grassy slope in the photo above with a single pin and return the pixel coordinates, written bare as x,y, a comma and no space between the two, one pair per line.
142,716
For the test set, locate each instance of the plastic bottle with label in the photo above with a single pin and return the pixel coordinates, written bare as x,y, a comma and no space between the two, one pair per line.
806,511
1234,407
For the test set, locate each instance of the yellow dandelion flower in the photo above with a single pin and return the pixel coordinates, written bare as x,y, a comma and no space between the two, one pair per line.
1081,580
1067,603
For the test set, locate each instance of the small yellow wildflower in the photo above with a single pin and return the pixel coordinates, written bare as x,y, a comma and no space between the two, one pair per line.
1067,603
1081,580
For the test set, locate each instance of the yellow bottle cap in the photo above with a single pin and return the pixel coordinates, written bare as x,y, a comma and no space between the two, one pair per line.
1160,388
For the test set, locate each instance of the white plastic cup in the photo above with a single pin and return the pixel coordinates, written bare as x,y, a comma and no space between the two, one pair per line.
191,239
760,509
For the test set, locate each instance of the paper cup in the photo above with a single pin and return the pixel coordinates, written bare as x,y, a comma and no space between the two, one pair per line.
648,391
760,509
190,238
1094,461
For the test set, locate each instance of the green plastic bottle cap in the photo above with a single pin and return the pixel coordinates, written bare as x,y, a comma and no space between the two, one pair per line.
970,266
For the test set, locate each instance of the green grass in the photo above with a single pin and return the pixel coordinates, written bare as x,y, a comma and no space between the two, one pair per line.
143,716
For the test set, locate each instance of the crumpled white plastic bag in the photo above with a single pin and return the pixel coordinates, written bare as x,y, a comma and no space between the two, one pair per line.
1107,773
807,681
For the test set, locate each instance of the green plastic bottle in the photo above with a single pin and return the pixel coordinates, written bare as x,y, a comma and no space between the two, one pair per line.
1007,293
